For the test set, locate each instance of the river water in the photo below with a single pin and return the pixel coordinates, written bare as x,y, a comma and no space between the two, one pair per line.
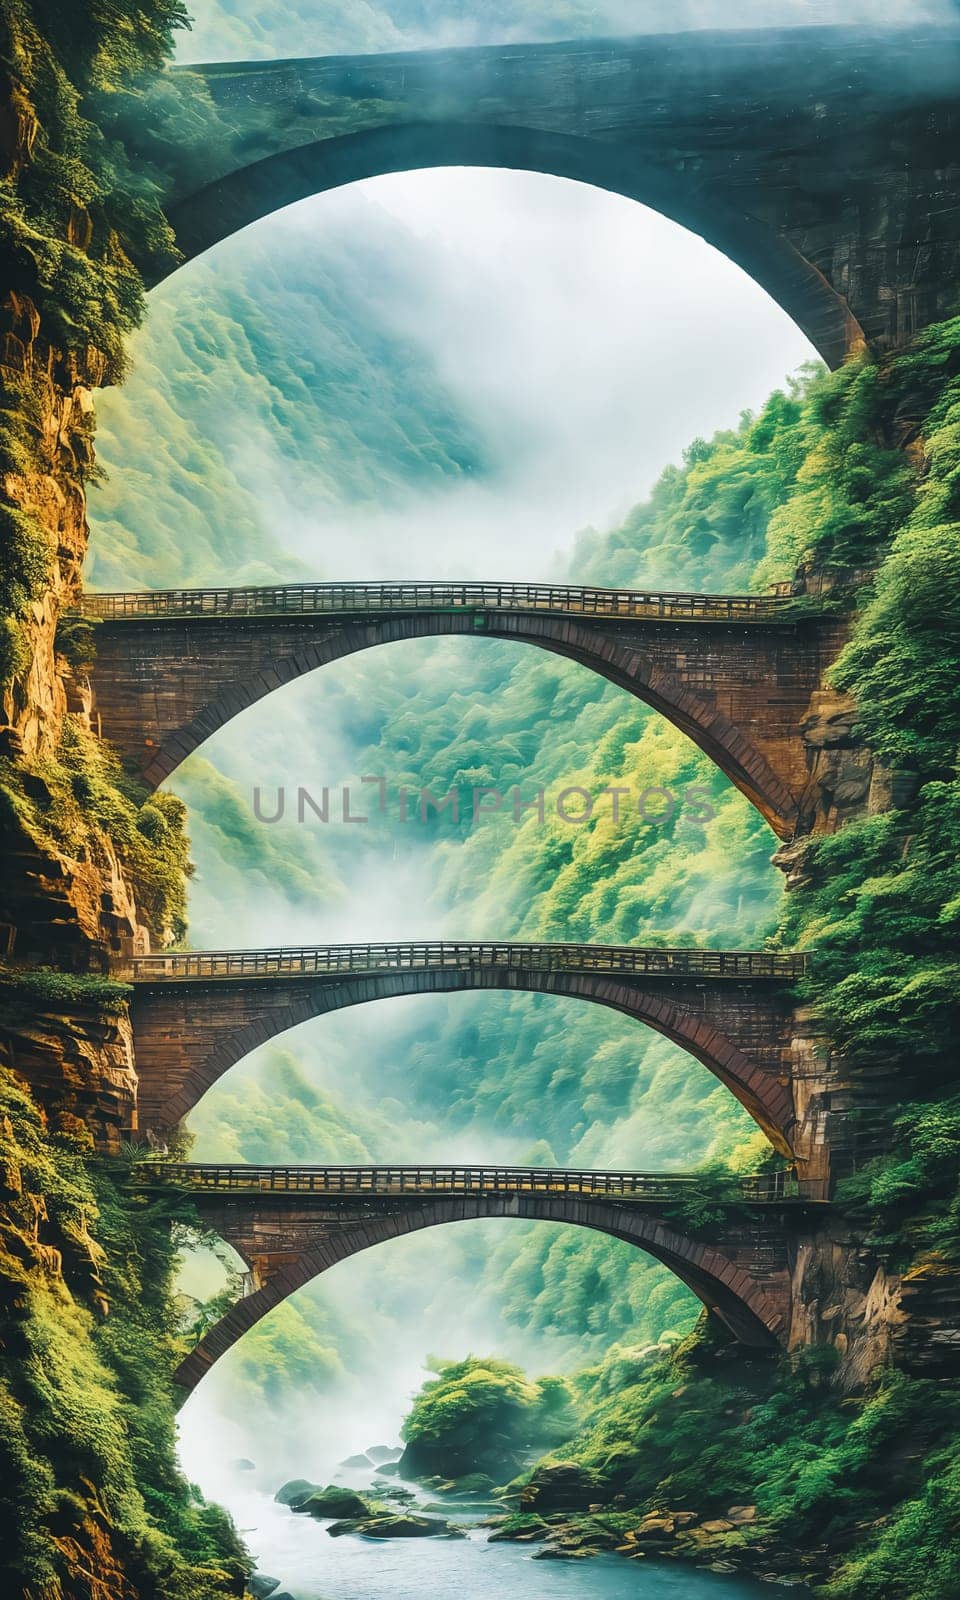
313,1566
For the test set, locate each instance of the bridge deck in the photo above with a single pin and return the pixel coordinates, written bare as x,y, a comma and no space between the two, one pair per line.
359,599
350,1182
330,960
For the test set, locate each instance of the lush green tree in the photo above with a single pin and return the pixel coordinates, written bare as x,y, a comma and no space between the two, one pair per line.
482,1415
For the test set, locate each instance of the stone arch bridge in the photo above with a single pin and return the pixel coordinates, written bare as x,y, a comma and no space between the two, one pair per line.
733,672
289,1224
822,160
195,1015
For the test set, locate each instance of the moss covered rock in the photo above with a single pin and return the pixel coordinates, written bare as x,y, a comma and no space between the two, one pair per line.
406,1526
333,1501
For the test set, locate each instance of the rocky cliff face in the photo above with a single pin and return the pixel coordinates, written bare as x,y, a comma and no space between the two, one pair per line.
60,390
78,1061
67,898
87,1422
843,1294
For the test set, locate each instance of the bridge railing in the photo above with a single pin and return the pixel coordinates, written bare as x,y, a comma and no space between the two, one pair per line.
331,599
345,1181
330,960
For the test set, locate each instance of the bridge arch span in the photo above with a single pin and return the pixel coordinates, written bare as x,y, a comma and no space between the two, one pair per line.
627,664
258,189
753,1312
764,1094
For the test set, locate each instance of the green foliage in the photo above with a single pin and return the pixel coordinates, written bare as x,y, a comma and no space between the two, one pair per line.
81,222
482,1415
23,991
851,485
911,1197
26,558
878,904
81,802
915,1554
290,1350
76,642
14,649
141,1346
86,1416
903,662
24,568
276,366
284,1115
694,1430
78,215
711,1203
706,522
53,988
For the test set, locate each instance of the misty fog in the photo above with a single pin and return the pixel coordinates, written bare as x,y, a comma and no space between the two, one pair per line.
583,339
324,27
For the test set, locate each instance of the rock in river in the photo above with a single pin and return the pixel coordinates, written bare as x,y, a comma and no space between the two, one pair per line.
398,1527
333,1501
296,1489
472,1483
260,1586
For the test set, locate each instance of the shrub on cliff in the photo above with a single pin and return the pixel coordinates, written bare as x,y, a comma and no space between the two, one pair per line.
88,1476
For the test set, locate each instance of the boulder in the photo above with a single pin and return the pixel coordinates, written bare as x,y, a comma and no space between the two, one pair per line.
660,1526
472,1483
589,1534
243,1464
553,1552
260,1586
388,1469
740,1515
357,1461
406,1526
333,1501
517,1530
657,1529
378,1453
297,1489
561,1486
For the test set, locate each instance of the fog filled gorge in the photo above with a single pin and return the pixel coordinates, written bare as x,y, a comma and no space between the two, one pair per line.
431,374
474,375
479,800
